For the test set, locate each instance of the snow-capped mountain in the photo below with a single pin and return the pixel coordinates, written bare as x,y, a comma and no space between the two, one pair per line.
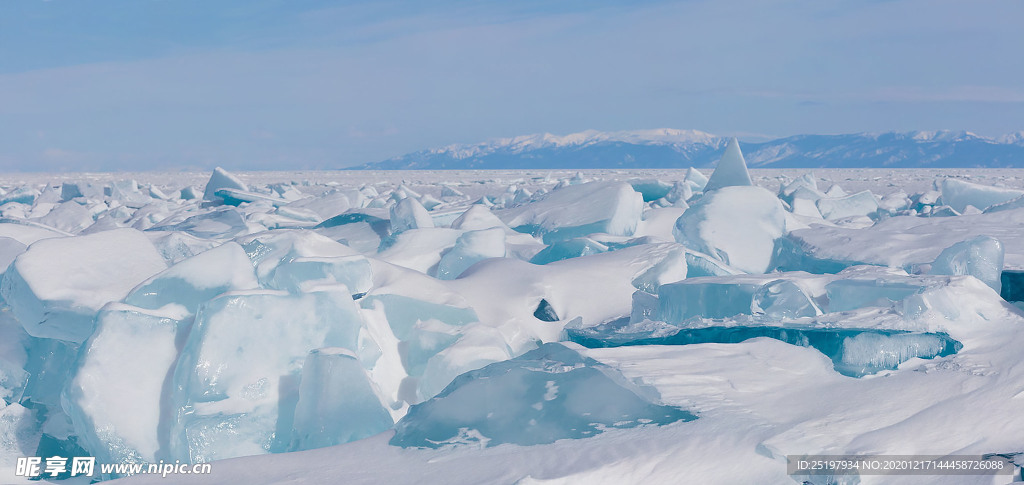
668,148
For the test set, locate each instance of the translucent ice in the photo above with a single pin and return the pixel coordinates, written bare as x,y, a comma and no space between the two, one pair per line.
118,398
470,248
269,249
737,225
423,328
731,169
232,196
221,179
338,402
360,231
21,195
697,179
236,382
706,298
859,204
721,297
545,395
959,194
870,352
57,286
680,193
297,274
981,257
578,210
49,363
407,214
570,248
13,357
197,279
335,202
802,187
669,270
222,223
854,352
858,292
478,346
651,189
783,299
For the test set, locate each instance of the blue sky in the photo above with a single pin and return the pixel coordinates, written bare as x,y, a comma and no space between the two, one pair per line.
280,84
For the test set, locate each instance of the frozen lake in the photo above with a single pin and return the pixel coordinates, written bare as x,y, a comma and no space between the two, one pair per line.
597,326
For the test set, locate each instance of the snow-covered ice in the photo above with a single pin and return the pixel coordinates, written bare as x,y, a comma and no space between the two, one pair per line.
613,326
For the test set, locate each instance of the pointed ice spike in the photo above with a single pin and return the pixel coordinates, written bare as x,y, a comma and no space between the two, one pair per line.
731,169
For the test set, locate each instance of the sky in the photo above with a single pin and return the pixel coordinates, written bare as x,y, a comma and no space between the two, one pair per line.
103,85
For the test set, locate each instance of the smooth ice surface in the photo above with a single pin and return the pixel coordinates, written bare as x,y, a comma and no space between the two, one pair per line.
338,402
236,382
737,225
872,290
569,248
13,357
980,257
578,210
303,272
720,297
651,189
545,395
119,396
49,364
731,169
56,287
859,204
959,194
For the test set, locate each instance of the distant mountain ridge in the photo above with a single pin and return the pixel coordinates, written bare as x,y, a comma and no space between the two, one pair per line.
671,148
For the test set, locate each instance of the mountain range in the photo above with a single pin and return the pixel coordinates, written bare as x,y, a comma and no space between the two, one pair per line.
671,148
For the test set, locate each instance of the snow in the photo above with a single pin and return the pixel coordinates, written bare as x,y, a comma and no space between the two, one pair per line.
197,279
578,210
312,316
471,248
57,286
737,225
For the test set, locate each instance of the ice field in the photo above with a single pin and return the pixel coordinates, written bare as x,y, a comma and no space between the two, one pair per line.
527,327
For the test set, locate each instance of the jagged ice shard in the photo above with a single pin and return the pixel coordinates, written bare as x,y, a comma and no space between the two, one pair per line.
731,169
318,309
542,396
